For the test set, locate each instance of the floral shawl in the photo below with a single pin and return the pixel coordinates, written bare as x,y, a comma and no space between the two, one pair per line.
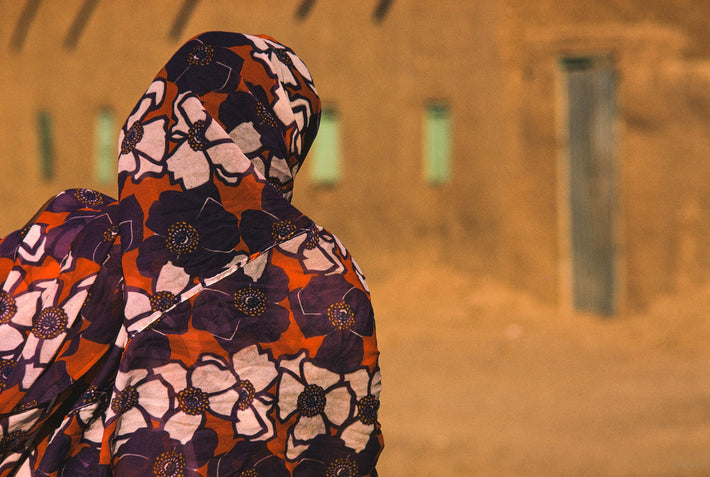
201,324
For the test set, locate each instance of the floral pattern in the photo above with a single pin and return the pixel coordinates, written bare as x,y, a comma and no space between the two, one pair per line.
202,146
200,324
142,141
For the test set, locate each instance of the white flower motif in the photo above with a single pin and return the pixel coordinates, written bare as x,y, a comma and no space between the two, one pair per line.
316,251
317,395
32,248
255,268
246,137
367,392
139,399
204,144
142,144
10,338
236,392
140,309
267,46
50,323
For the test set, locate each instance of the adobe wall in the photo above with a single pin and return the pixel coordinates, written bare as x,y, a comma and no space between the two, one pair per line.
502,214
663,140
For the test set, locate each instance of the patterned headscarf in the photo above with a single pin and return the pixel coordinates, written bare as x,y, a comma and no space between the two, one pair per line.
255,89
207,157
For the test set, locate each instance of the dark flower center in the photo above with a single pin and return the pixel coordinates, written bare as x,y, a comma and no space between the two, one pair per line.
182,238
49,323
110,233
193,401
276,184
12,442
342,467
312,239
196,136
124,400
367,408
201,55
88,197
250,301
27,405
341,315
162,300
284,57
311,401
90,395
246,394
282,229
265,115
6,367
169,464
249,473
132,138
8,308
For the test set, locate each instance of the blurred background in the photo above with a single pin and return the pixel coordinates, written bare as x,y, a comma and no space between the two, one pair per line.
524,183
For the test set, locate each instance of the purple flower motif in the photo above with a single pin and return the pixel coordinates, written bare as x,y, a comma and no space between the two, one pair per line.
207,64
73,199
329,457
82,230
244,309
332,307
153,452
97,232
192,229
261,228
103,302
83,463
131,223
249,458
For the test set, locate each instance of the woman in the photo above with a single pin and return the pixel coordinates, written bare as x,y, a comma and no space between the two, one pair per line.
201,324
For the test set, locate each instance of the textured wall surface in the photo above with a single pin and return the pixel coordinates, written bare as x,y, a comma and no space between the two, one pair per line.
503,213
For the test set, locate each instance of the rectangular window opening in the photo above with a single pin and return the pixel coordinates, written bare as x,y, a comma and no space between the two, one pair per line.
437,143
45,145
105,146
326,164
593,182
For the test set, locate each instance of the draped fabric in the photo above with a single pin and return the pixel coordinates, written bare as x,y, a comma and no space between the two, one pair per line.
200,324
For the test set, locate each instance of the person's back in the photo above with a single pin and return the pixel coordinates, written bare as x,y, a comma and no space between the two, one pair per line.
200,324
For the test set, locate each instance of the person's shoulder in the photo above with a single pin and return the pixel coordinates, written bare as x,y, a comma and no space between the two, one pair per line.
321,253
84,213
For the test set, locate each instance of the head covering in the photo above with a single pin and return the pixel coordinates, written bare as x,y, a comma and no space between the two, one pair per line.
252,88
200,322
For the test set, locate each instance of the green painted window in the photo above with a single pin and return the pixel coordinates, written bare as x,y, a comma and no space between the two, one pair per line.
46,144
105,146
437,143
325,168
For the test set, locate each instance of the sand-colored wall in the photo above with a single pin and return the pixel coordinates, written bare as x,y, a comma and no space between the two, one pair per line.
660,57
503,213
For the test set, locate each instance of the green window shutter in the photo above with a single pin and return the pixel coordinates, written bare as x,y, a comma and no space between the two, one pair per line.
46,144
105,146
437,143
325,168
